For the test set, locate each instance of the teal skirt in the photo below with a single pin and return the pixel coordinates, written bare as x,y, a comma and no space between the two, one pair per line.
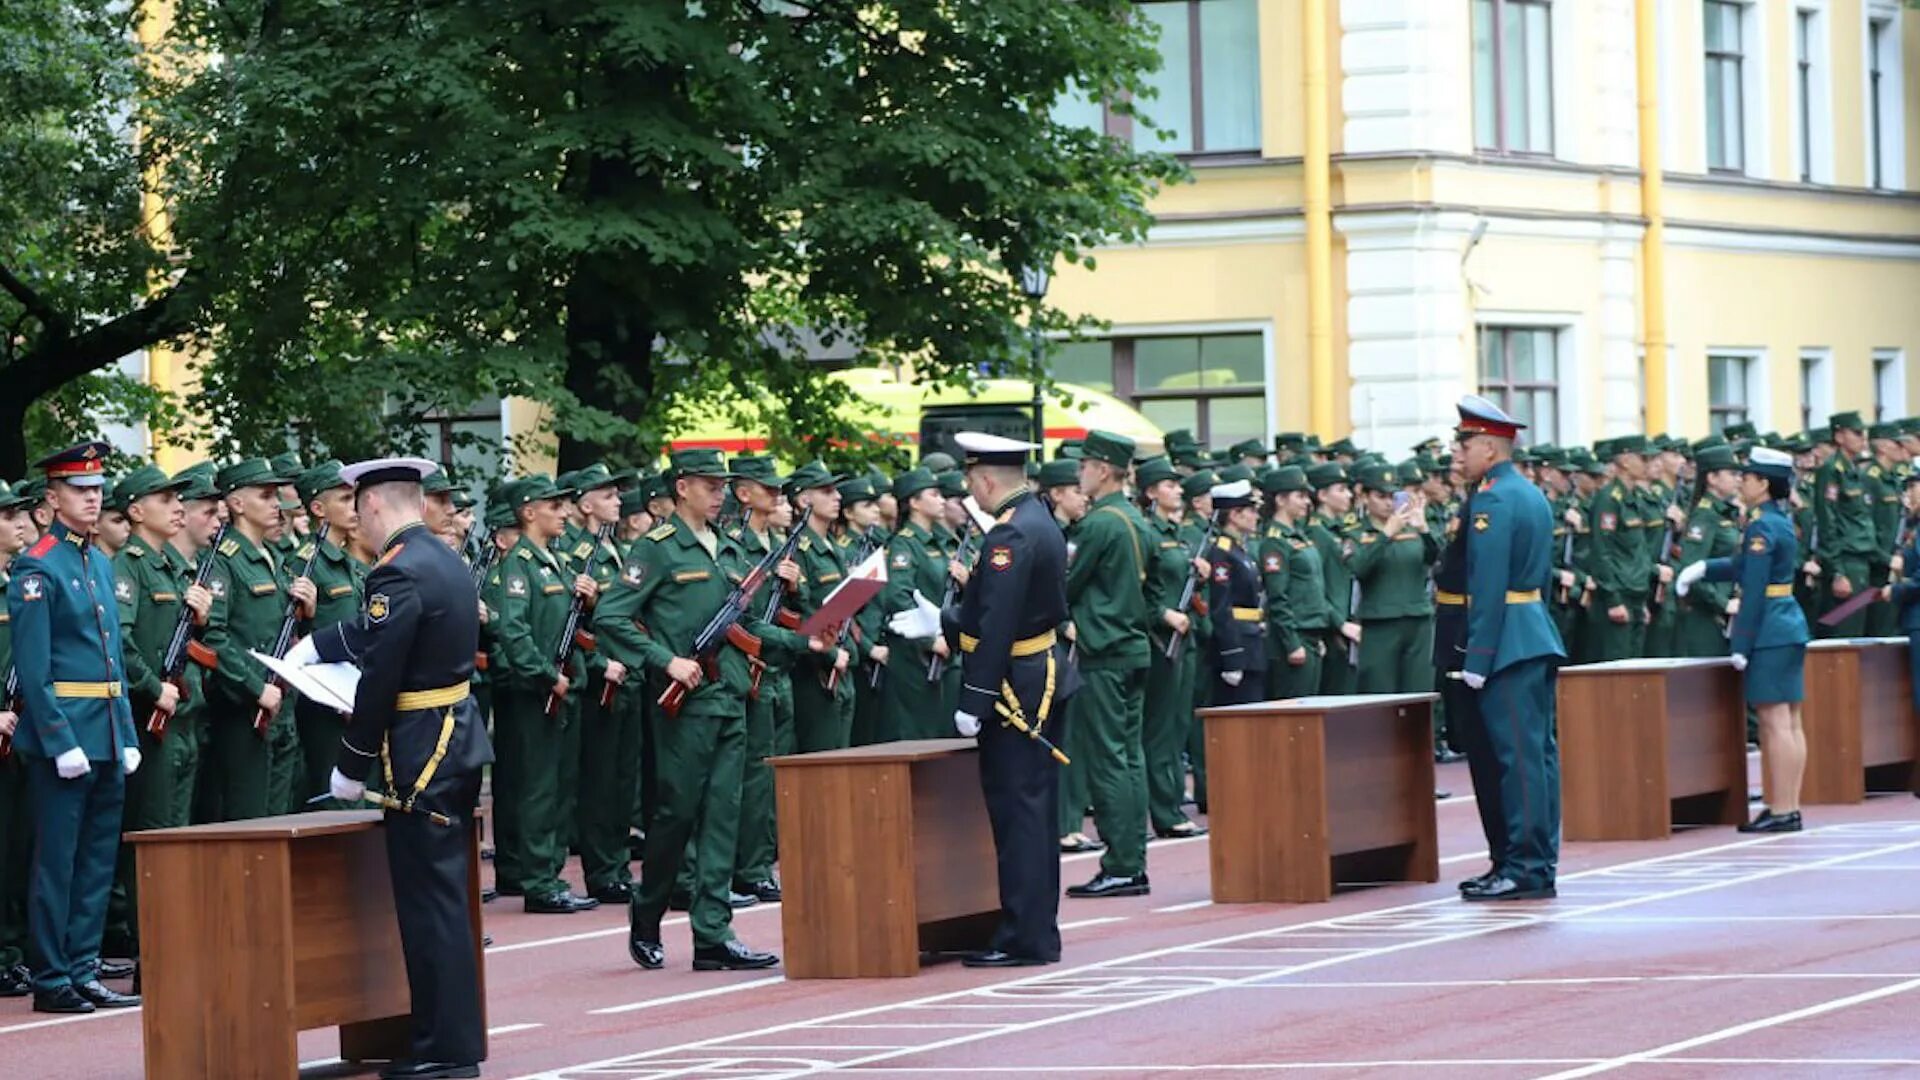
1776,674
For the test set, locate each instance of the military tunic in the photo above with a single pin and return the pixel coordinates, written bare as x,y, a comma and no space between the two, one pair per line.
337,584
1701,621
1332,536
1298,615
1396,617
769,733
1883,488
1622,569
913,704
1770,630
1847,540
1237,616
534,593
1168,711
823,718
253,774
610,745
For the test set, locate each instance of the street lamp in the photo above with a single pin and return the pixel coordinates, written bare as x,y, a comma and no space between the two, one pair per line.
1033,282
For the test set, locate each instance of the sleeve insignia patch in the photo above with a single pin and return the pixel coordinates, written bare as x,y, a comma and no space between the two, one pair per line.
516,586
902,560
217,587
633,573
1609,522
123,590
1482,522
1833,492
1221,574
1694,532
1000,558
1757,545
31,589
1272,565
377,607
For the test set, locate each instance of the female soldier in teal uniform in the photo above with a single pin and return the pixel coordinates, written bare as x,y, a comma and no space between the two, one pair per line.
1769,638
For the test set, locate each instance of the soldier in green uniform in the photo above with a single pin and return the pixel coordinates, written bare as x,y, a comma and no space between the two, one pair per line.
823,716
1298,615
1848,540
1621,564
1252,453
1197,491
1172,562
533,593
1106,598
254,771
1059,485
1331,530
677,579
16,835
504,533
1712,532
762,530
608,737
1391,556
294,523
153,586
337,580
75,733
857,537
1886,477
1663,514
914,564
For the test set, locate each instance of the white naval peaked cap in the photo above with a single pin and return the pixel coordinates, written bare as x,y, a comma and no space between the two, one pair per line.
1235,494
388,470
981,448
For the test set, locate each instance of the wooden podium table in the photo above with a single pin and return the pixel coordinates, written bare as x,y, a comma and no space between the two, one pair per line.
1859,720
1307,792
254,931
1648,744
885,852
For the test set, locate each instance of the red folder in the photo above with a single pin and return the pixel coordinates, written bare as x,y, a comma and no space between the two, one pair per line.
862,584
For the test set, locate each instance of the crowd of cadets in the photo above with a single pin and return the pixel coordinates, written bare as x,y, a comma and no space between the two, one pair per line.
1340,579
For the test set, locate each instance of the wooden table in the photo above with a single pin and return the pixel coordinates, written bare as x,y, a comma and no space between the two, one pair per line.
1648,744
254,931
885,852
1859,720
1308,792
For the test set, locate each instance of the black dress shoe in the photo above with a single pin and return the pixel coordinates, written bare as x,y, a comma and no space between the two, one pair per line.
560,903
486,854
769,891
647,952
738,900
66,999
733,956
488,896
1501,887
1439,795
1770,822
428,1070
1184,830
994,958
613,892
104,998
1110,885
1478,881
115,969
15,981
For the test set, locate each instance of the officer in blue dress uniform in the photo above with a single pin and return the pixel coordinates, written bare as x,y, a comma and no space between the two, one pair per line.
1014,668
1768,639
75,733
1513,651
1237,600
415,720
1464,721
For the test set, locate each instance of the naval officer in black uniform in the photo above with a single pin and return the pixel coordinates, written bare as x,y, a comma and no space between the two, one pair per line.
1237,600
1012,666
414,720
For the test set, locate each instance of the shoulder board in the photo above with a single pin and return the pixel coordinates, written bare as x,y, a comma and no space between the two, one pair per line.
1706,504
229,548
1873,471
1222,543
132,552
583,551
661,532
391,554
45,545
806,543
526,554
306,551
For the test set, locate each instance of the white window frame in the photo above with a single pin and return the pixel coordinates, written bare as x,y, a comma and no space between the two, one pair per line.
1570,420
1817,398
1756,135
1889,392
1820,92
1759,399
1893,107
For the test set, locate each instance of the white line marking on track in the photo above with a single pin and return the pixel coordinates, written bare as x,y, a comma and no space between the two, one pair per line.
1191,906
508,1029
1092,922
1737,1030
1451,859
1594,980
104,1014
717,991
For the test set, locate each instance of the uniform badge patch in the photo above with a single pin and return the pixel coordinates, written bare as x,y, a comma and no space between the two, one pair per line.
217,587
1220,574
123,590
1272,565
632,574
516,586
1482,522
1757,545
1000,558
1833,492
902,560
1609,522
1695,533
30,589
377,607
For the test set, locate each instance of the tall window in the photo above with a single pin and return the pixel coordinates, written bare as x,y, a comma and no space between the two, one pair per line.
1208,85
1878,37
1727,396
1520,372
1889,385
1513,76
1212,384
1816,387
1803,48
1726,109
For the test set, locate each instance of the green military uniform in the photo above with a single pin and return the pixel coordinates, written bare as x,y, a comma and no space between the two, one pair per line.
609,751
1655,498
1332,538
16,819
1298,615
1569,545
1712,532
861,635
1884,483
1168,712
253,775
823,718
1192,531
1074,798
675,581
1622,569
914,563
1848,540
534,593
338,579
1106,598
1395,613
769,730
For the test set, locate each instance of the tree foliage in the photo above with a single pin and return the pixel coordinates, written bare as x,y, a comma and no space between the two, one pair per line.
385,207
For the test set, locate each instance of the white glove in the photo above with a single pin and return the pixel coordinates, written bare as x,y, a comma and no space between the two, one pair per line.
1739,662
1693,572
1474,680
130,759
1232,678
967,724
303,652
72,765
918,623
344,789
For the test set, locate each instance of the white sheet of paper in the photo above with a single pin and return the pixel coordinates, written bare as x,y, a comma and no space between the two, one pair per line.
981,518
331,685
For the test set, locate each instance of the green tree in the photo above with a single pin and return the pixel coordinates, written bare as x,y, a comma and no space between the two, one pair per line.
390,206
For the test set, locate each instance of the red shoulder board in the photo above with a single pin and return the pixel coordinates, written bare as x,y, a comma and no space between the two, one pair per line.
47,543
391,552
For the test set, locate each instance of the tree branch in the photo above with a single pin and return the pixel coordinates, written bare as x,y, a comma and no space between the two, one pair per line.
36,305
56,361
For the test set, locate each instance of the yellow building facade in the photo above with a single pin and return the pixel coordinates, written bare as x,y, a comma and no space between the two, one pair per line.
1489,228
